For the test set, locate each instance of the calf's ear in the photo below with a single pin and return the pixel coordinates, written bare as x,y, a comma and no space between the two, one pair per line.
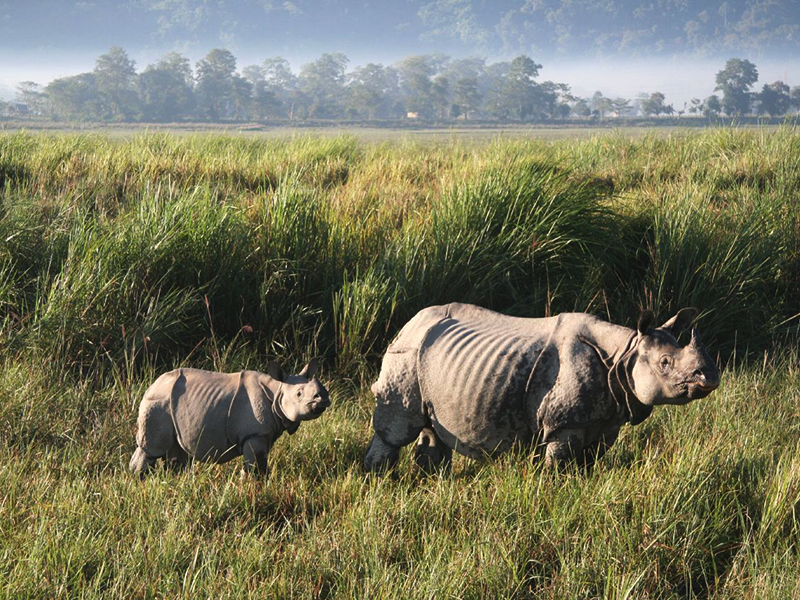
309,370
681,321
274,370
646,320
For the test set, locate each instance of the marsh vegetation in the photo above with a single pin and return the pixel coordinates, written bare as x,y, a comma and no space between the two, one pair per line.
122,258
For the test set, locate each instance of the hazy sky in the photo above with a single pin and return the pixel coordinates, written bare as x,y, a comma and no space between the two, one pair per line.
675,48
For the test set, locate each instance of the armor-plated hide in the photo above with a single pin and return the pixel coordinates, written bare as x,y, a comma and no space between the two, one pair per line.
219,416
479,382
213,413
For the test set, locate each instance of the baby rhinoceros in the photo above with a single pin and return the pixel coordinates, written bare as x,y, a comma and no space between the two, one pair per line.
464,378
219,416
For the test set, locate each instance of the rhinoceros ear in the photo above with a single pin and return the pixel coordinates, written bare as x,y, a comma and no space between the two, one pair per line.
681,321
309,370
646,320
274,370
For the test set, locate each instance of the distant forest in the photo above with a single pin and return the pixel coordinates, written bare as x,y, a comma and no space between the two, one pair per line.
431,87
540,28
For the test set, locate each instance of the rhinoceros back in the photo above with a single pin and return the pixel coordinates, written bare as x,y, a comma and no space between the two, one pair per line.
200,404
473,367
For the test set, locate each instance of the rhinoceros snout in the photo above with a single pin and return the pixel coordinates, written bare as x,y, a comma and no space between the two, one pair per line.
319,404
704,382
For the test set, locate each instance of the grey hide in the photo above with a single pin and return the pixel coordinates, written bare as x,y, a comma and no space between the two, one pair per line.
219,416
464,378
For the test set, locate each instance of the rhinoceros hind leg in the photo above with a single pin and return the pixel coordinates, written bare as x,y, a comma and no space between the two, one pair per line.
380,456
141,462
255,451
156,433
431,453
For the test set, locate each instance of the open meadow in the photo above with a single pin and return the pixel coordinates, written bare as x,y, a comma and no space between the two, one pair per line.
122,257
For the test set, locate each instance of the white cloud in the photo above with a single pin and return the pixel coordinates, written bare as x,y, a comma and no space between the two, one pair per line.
292,8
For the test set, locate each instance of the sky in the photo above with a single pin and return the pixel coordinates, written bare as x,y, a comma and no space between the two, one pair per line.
622,54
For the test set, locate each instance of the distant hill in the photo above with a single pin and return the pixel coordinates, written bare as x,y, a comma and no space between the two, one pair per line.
540,28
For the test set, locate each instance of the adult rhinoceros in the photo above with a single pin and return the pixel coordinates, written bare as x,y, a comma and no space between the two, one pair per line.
219,416
464,378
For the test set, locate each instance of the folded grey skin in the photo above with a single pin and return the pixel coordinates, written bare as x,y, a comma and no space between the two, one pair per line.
218,416
464,378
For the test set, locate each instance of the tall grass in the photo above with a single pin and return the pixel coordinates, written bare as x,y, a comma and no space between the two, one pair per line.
119,259
517,235
270,233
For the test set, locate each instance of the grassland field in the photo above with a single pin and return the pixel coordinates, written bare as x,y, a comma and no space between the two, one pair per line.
122,256
366,132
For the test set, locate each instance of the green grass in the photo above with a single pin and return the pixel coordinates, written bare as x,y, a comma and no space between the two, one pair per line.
120,258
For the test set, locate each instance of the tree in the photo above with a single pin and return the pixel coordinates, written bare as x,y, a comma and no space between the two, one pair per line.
735,81
795,97
30,93
581,108
600,105
774,99
620,106
415,80
165,89
264,102
467,96
253,74
440,95
278,74
551,100
241,97
115,75
366,90
176,63
282,83
520,91
323,82
655,105
393,95
215,85
464,68
75,98
712,106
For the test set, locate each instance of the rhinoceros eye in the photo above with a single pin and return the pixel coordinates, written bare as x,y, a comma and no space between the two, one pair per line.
665,363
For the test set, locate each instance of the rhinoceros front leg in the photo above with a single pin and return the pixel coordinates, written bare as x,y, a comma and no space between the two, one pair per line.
380,456
255,452
398,416
431,453
565,448
596,450
141,462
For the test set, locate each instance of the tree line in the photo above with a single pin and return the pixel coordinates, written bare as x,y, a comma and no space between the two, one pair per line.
430,87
